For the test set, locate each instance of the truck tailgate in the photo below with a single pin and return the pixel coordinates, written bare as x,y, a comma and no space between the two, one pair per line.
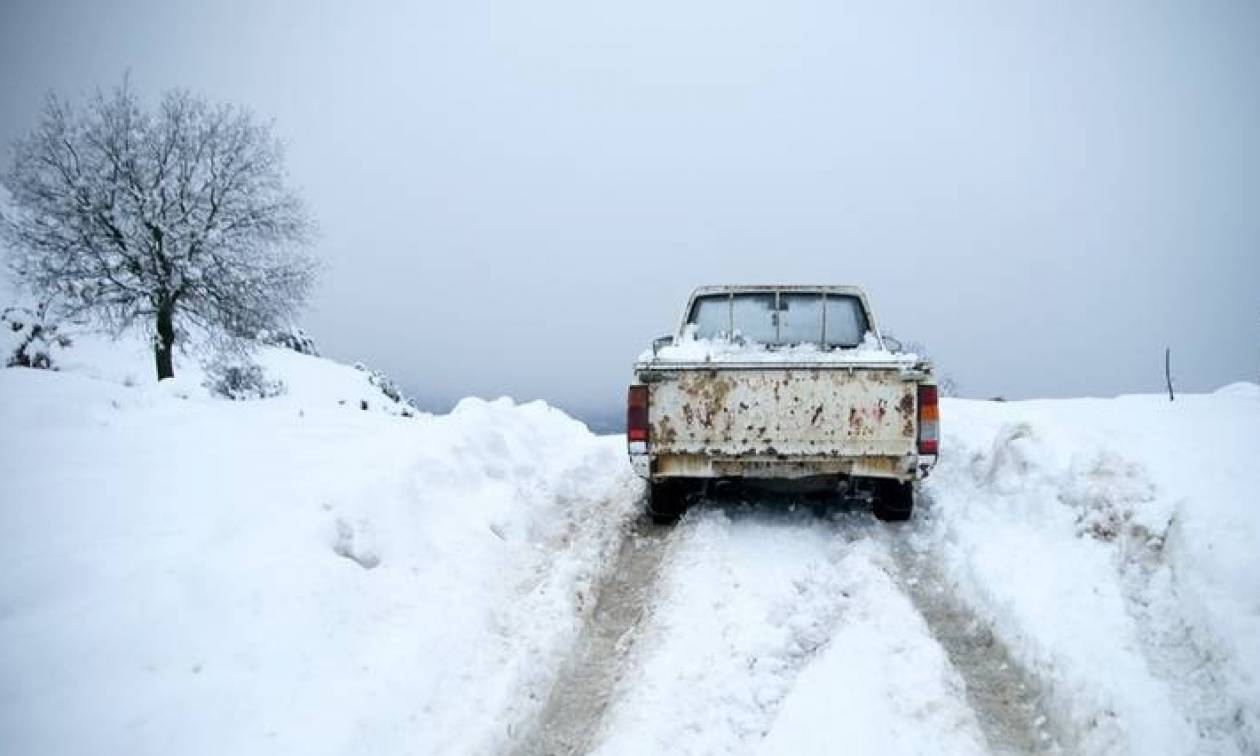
776,412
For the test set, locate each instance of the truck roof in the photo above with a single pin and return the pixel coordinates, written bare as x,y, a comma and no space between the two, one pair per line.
739,288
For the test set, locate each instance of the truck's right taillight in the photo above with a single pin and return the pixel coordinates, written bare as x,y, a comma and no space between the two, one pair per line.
637,414
929,420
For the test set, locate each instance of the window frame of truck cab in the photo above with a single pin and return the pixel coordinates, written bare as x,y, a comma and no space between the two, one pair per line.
856,302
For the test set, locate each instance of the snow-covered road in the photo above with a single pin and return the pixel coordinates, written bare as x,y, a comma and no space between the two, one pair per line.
750,625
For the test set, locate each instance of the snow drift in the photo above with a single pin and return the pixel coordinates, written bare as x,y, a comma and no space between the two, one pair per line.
1112,545
292,575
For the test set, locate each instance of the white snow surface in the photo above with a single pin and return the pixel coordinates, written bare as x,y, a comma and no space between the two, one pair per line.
687,349
298,575
292,575
1112,544
773,634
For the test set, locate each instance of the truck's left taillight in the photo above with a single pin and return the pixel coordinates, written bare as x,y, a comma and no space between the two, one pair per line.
929,420
637,414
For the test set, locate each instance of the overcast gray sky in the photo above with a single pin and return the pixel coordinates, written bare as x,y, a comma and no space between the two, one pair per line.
515,197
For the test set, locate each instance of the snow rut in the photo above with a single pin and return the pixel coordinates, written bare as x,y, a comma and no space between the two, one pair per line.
746,600
767,628
1178,655
578,699
1007,701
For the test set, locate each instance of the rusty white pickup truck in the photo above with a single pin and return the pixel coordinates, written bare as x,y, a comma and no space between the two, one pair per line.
781,382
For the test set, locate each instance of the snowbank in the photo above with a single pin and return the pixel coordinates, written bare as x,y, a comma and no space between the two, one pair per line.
1112,545
291,575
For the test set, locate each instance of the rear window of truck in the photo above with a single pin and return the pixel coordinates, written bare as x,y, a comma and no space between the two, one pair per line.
781,318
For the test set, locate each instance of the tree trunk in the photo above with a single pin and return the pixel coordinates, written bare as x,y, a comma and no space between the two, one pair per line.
164,344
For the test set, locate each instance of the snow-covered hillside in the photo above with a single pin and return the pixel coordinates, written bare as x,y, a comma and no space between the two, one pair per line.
318,573
292,575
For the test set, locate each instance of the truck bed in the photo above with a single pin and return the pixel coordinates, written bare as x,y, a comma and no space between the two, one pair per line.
768,420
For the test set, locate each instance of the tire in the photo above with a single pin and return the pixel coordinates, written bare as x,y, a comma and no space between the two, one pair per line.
666,501
894,500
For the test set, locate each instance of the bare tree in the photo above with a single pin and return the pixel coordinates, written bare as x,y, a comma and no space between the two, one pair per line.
170,219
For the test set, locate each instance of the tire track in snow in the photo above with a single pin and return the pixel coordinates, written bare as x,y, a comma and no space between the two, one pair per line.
1183,660
792,619
748,597
580,695
1006,699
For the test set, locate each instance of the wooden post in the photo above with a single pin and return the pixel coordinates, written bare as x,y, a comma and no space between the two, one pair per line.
1168,371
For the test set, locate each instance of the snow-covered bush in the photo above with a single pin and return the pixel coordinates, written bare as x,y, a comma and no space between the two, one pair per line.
31,338
294,338
390,389
238,378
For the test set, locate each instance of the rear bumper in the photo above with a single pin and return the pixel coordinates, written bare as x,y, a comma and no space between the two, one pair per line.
659,467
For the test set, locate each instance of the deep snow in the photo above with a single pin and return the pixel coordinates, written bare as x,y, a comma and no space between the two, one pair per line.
1112,544
294,575
301,575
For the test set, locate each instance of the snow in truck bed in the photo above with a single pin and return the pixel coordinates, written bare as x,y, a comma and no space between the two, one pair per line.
690,350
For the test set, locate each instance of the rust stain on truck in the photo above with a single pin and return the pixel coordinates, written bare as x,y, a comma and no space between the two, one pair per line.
906,410
751,411
664,431
706,393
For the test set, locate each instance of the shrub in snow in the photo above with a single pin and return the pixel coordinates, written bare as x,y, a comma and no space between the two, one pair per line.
31,339
237,378
295,339
389,388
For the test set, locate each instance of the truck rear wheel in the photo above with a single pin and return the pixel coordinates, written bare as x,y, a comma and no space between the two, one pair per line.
666,502
894,500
